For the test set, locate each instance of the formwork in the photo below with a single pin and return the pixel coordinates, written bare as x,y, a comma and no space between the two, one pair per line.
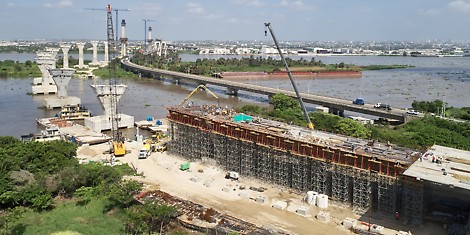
351,171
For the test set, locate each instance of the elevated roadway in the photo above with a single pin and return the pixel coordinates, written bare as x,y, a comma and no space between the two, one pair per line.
337,106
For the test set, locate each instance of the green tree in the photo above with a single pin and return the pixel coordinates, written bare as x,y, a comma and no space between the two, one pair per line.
10,220
283,102
352,128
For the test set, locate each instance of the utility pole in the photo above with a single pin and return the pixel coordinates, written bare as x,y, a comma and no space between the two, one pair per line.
117,10
145,32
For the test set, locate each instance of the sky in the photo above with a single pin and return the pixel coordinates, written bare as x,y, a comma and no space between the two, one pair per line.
303,20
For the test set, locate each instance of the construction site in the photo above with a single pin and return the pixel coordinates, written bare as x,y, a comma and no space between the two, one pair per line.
366,176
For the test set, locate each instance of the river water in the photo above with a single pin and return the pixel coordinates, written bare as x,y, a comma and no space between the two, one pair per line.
431,78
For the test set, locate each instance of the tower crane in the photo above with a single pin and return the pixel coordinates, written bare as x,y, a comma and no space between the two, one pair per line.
117,10
145,32
268,27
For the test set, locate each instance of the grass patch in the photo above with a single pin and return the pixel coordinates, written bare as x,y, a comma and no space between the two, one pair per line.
69,217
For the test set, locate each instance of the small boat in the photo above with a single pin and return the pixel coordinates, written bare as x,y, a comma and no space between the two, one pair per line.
69,112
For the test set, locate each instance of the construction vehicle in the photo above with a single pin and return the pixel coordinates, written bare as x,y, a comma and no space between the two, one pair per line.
118,141
202,87
161,147
304,110
232,175
144,152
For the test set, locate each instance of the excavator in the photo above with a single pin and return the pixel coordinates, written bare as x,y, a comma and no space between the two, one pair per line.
304,110
200,87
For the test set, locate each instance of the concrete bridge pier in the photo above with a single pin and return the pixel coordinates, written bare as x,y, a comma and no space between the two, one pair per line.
339,112
232,91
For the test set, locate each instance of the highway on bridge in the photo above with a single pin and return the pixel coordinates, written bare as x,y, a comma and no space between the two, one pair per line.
335,104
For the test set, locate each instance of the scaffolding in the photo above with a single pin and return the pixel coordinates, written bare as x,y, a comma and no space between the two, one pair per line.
319,173
413,203
341,184
386,194
362,190
270,155
300,173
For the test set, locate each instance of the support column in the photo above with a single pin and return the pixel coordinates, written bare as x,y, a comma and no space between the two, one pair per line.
65,51
80,46
232,91
95,52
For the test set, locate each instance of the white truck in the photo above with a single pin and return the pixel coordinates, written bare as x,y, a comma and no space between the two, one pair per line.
232,175
144,152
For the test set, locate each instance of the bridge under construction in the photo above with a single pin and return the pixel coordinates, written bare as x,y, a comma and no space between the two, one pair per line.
366,175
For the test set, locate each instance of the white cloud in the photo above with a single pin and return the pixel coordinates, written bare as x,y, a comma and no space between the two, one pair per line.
296,5
194,8
214,16
254,3
65,3
152,6
11,5
460,5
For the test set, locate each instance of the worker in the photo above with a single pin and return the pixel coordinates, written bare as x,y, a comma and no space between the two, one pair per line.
397,215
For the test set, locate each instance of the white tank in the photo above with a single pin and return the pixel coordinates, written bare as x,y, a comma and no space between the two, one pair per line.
311,197
322,201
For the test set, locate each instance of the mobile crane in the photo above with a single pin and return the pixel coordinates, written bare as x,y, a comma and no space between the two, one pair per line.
268,27
118,142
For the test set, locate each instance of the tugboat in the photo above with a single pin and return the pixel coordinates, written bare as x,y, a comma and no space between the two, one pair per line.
70,112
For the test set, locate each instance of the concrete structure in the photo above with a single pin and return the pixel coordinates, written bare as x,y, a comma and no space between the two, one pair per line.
109,94
149,40
160,47
123,39
335,105
368,176
80,46
95,52
45,84
65,51
61,78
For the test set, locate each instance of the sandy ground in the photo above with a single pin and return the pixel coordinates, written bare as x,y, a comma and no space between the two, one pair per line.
223,195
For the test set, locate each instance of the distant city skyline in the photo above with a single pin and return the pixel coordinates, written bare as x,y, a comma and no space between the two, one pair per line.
308,20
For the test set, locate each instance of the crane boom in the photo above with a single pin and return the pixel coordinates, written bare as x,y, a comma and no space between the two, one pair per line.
194,91
304,110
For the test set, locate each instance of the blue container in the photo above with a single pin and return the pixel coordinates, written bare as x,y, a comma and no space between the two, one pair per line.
159,122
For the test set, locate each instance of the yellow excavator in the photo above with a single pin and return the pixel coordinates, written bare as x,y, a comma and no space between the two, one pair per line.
200,87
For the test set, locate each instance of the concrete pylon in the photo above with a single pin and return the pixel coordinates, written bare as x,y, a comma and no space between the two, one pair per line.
61,78
103,122
80,46
105,93
65,51
95,52
123,39
45,61
106,52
